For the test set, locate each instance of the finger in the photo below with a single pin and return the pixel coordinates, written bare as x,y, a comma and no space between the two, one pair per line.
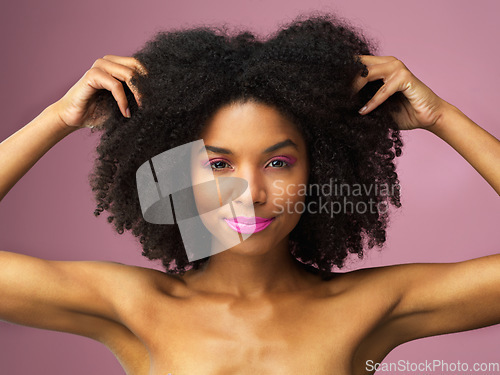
99,79
378,71
128,61
382,94
127,66
371,60
121,68
399,80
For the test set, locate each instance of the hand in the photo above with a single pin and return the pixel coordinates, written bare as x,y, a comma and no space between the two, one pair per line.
421,107
77,107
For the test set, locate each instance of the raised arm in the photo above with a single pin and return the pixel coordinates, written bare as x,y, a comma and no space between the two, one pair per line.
423,109
77,297
24,148
75,110
66,296
434,298
476,145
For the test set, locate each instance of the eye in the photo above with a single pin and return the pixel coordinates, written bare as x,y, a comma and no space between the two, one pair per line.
278,162
216,165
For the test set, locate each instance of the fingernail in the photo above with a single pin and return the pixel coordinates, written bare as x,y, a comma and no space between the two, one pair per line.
127,111
362,109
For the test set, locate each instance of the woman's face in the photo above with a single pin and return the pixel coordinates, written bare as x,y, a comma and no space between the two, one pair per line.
253,142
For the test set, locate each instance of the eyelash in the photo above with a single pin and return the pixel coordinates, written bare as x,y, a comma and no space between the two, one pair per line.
212,162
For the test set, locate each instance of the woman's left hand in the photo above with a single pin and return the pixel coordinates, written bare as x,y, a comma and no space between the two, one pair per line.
421,107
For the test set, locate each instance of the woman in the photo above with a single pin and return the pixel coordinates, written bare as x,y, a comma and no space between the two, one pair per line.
269,304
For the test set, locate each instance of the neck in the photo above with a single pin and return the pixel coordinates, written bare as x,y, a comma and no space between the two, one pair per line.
250,273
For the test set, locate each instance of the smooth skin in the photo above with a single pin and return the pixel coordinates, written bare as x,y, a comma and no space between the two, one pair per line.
282,322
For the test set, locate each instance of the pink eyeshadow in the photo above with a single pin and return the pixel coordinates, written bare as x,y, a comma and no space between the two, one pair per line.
288,159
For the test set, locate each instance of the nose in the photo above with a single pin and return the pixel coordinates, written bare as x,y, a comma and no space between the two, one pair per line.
256,186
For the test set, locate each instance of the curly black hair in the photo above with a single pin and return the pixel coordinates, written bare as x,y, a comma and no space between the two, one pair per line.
305,70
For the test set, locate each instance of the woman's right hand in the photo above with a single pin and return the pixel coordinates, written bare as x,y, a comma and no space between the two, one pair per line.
77,107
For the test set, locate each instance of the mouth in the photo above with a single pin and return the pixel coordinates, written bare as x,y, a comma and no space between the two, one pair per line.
243,224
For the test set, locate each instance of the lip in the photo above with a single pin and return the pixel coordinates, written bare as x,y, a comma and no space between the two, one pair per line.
250,220
243,224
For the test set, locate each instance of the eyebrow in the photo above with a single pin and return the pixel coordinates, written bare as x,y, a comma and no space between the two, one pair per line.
277,146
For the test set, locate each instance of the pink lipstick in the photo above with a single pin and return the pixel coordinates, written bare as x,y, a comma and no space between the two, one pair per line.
242,224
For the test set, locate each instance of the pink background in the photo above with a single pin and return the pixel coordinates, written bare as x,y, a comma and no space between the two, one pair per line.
449,212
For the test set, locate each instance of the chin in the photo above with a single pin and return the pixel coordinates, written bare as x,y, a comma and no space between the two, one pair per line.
249,247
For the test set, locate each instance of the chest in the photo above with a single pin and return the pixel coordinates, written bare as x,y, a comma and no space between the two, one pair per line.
288,336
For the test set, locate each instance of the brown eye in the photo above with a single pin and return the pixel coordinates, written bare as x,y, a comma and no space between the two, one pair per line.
218,164
279,163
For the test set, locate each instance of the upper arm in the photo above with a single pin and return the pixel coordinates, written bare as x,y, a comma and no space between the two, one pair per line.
439,298
80,297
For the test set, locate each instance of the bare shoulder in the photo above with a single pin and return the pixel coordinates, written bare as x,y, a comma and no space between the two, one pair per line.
383,290
423,288
397,285
95,299
115,273
368,299
128,285
383,278
426,299
131,289
67,295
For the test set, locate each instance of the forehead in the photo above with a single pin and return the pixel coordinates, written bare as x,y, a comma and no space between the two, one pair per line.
250,124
